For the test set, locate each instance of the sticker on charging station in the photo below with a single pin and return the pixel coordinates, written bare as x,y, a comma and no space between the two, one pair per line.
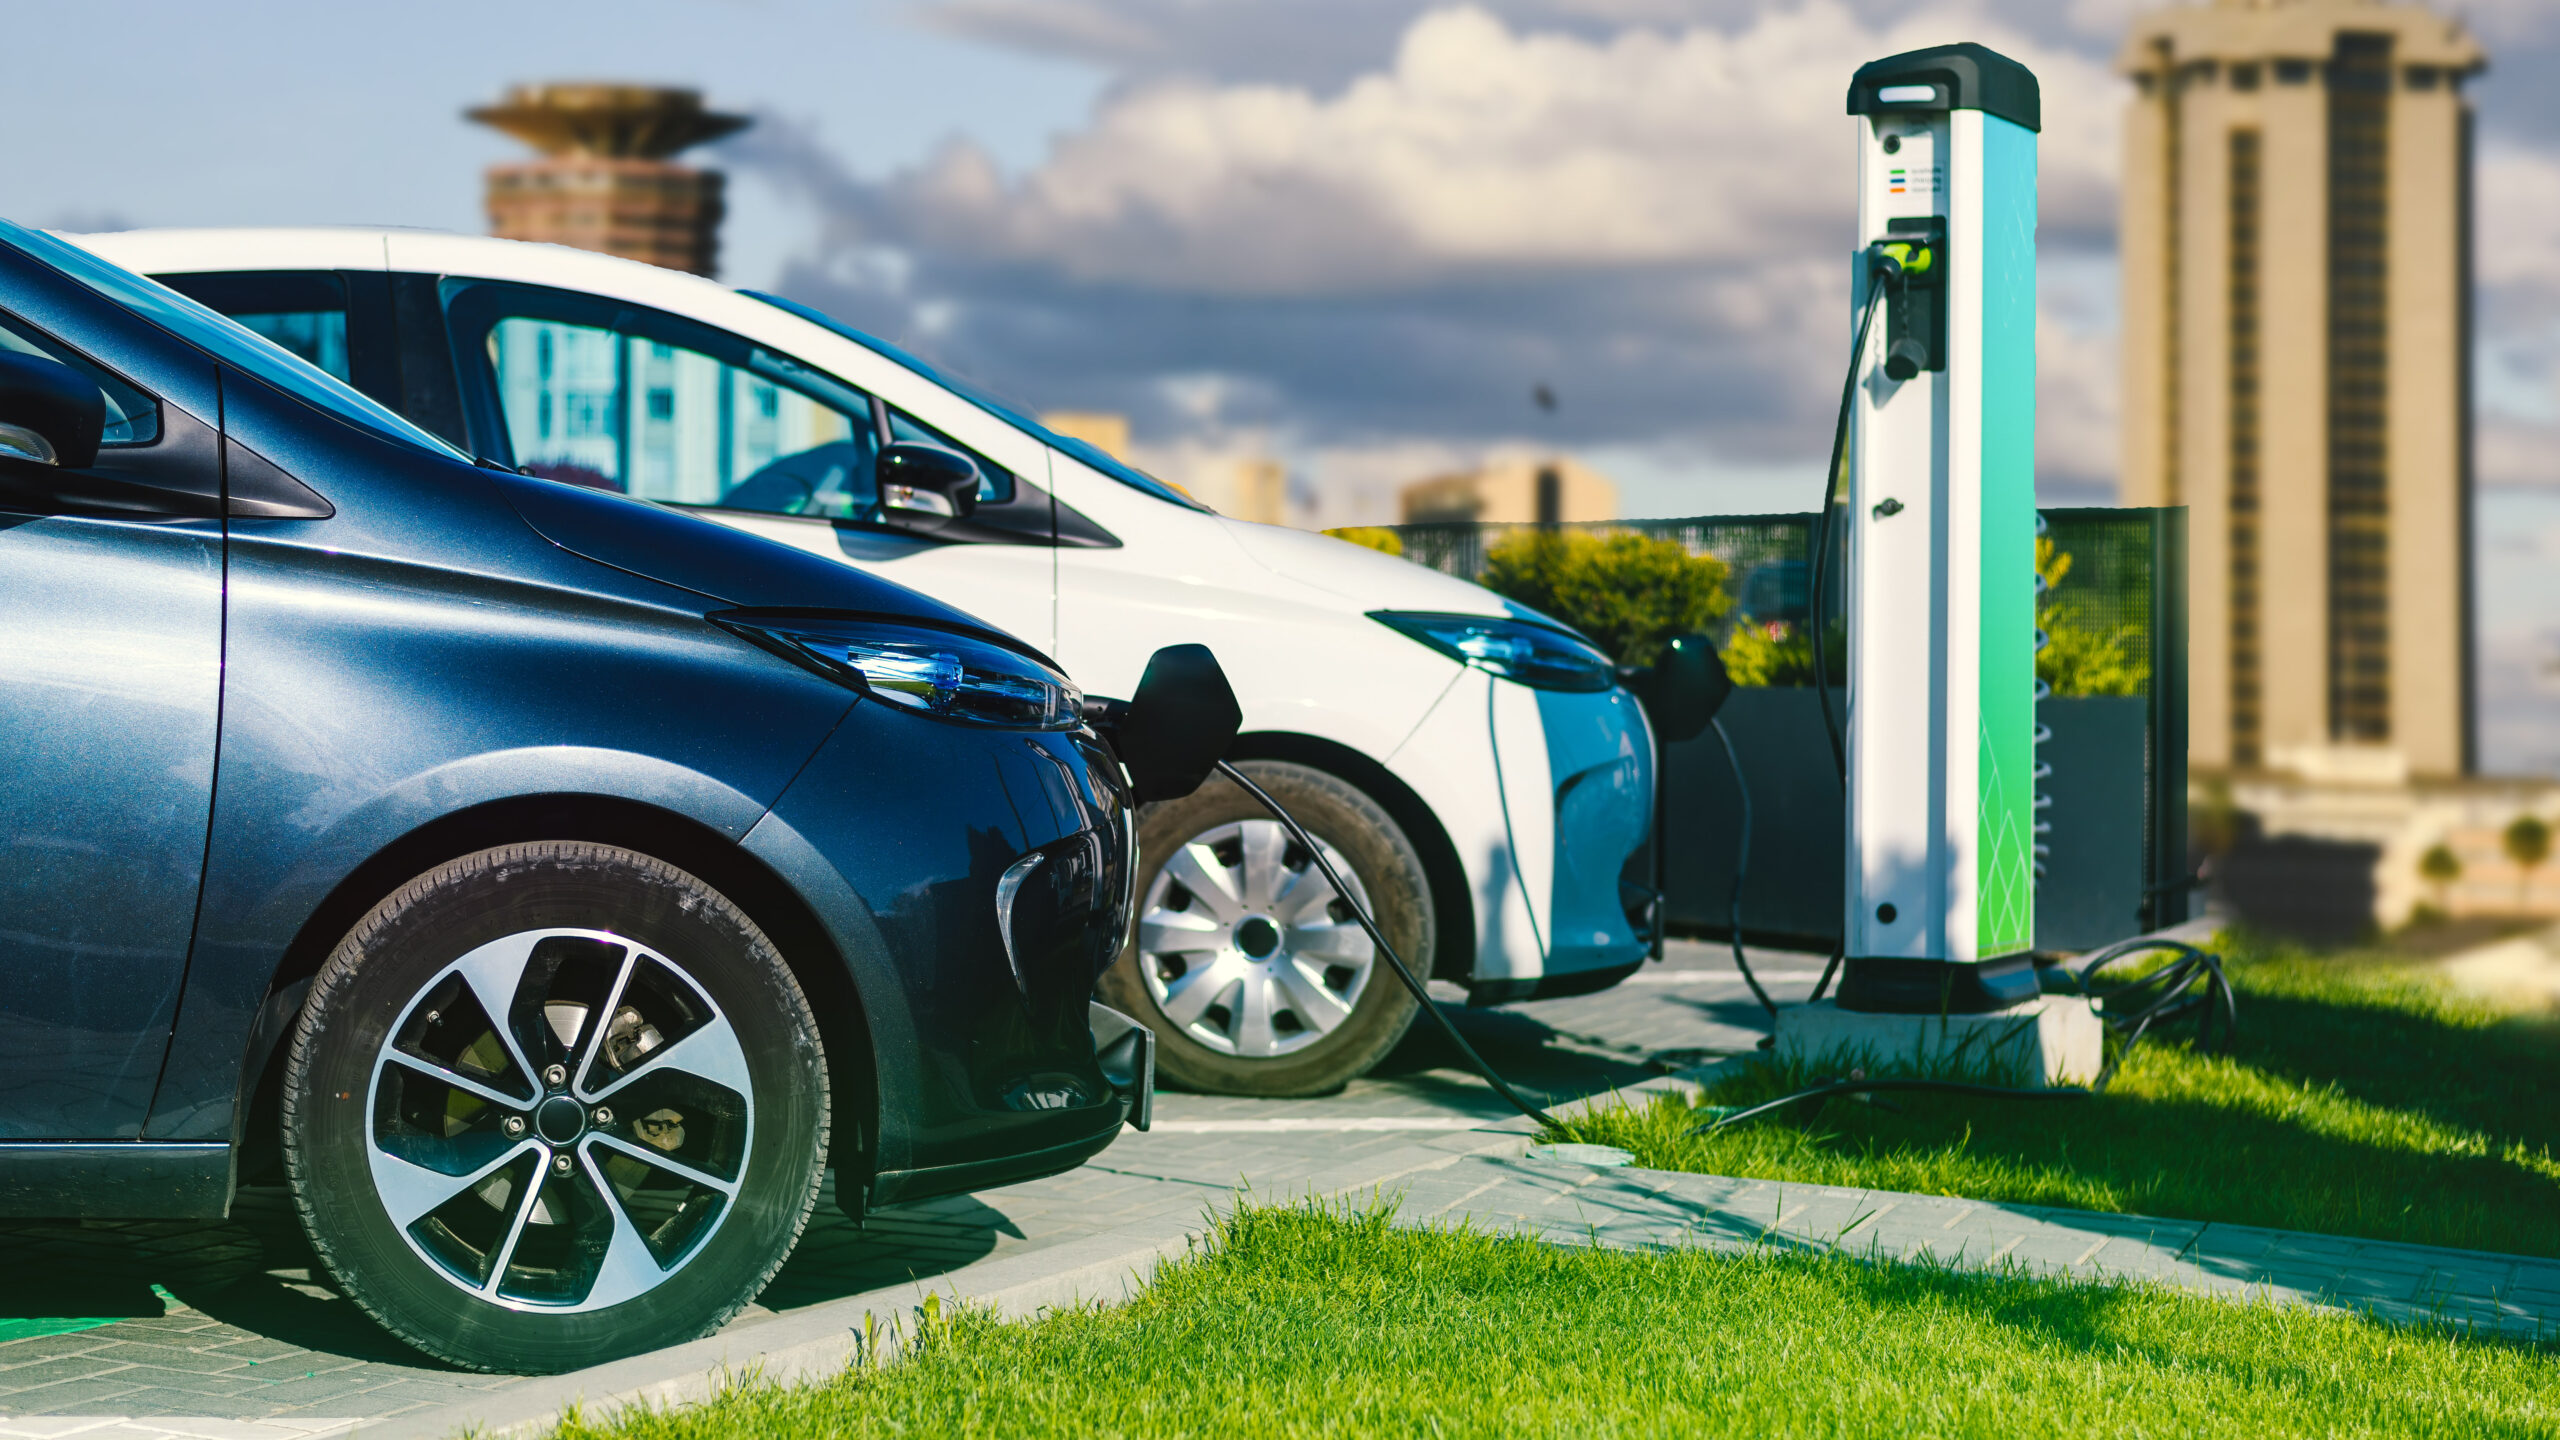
1915,179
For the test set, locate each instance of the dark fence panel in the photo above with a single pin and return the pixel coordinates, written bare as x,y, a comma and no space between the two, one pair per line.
2115,857
1792,895
2091,890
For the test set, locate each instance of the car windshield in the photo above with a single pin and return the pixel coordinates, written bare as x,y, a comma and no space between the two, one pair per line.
1090,454
224,339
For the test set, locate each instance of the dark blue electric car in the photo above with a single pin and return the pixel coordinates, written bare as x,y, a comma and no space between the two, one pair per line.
551,886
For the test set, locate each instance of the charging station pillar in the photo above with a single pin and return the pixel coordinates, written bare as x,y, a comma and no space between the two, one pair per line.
1941,539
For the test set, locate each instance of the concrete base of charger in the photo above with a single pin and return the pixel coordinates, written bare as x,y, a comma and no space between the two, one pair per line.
2051,1040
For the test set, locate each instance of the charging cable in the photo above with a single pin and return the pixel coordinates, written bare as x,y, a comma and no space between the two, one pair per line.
1881,268
1378,938
1741,868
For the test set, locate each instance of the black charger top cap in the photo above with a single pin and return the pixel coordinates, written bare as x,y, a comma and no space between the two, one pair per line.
1957,77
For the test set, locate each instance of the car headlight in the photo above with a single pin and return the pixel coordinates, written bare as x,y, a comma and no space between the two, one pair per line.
1538,656
932,672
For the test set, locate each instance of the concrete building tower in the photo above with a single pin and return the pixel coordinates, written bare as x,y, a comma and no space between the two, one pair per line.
2297,334
606,180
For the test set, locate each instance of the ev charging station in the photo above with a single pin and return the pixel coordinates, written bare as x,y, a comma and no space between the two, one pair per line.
1941,540
1939,417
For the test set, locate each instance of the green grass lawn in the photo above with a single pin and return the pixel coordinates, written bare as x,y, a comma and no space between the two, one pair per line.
1296,1322
2362,1098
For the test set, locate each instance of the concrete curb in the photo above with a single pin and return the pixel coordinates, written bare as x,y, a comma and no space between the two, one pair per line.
817,1343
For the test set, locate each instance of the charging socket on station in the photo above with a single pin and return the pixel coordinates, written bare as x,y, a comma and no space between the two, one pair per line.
1915,334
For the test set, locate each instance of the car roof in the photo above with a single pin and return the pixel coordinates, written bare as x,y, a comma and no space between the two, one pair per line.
482,257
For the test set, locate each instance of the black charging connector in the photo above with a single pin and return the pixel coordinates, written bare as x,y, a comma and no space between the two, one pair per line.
1915,327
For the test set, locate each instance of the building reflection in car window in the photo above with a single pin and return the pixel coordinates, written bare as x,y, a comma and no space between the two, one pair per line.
593,407
614,411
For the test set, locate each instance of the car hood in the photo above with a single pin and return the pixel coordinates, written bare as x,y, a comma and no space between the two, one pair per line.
1373,579
747,571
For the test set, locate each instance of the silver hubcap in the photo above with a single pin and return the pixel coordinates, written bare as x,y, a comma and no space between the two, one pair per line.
559,1120
1247,948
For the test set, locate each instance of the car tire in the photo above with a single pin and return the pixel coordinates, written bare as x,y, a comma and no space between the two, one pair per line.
1255,977
621,1165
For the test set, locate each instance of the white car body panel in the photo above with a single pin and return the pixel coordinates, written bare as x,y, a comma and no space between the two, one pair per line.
1285,611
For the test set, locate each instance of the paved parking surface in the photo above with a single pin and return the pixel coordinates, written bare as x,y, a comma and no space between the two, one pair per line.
188,1328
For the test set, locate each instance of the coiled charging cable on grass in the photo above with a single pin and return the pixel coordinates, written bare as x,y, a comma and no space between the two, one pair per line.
2131,1011
1395,962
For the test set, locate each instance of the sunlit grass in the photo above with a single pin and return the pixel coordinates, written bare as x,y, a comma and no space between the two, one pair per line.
2361,1098
1300,1322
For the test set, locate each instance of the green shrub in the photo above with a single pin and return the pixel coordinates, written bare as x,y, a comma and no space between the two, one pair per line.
2079,658
1373,537
1780,652
1629,593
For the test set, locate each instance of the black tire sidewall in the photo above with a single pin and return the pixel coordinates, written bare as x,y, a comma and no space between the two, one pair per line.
404,944
1390,873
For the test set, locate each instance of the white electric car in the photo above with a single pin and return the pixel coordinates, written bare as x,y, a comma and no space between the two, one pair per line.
1487,782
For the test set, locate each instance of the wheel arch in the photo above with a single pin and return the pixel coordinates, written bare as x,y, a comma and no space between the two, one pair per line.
825,977
1452,901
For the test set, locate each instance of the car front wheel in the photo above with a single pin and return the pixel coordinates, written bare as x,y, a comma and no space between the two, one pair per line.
1252,970
552,1104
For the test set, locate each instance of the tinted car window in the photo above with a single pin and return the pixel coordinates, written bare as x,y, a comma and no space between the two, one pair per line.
596,407
305,311
224,339
628,406
133,418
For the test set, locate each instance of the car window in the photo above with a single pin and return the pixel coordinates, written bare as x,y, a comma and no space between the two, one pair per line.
993,404
618,407
133,418
597,407
304,311
224,339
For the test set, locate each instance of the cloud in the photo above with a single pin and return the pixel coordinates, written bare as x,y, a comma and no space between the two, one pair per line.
1654,221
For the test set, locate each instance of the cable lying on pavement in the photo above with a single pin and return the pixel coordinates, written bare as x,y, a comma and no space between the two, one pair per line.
1394,961
2192,984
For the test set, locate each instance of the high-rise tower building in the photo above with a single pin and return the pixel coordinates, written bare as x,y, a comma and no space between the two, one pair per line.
607,180
2297,296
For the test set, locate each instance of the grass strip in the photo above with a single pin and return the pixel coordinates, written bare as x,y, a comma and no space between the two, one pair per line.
2362,1097
1305,1321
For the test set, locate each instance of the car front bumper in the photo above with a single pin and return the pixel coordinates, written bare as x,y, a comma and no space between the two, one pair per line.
1547,798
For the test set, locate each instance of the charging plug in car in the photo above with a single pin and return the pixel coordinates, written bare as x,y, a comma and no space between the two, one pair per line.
1682,691
1170,734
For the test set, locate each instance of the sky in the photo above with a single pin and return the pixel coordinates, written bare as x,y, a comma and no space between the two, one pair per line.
1357,234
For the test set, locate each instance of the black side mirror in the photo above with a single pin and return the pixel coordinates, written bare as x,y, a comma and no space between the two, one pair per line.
925,487
1173,732
49,412
1684,689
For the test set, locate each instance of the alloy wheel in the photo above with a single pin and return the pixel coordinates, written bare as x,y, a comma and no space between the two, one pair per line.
559,1120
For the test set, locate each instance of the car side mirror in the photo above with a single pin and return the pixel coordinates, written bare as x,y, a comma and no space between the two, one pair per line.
1178,726
925,487
1683,690
49,413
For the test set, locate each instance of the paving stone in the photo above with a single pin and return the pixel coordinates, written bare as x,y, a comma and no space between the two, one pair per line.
18,1353
96,1395
170,1357
48,1372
